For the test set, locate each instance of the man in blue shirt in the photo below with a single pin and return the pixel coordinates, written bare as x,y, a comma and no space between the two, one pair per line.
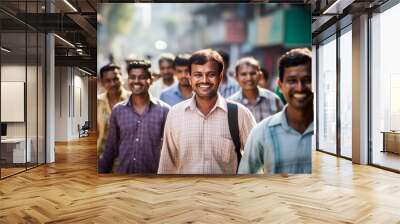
182,90
282,142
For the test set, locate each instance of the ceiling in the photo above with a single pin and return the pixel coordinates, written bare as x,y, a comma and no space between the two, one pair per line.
74,22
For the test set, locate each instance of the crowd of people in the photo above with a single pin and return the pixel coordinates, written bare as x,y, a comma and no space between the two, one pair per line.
196,119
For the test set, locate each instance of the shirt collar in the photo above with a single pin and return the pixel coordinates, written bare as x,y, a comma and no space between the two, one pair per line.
128,102
244,100
281,119
221,103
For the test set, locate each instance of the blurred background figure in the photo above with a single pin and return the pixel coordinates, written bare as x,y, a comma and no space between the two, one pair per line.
228,85
167,79
261,102
110,78
263,82
181,90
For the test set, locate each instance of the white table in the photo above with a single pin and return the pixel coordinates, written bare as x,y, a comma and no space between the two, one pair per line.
18,149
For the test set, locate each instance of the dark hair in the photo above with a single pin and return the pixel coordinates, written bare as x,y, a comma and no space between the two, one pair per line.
247,61
265,73
182,60
294,57
203,56
166,57
139,63
225,57
107,68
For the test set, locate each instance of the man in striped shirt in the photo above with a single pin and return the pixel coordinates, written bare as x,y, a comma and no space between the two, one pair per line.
261,102
197,139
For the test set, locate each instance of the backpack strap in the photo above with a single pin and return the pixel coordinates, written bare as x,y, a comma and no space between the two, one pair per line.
234,128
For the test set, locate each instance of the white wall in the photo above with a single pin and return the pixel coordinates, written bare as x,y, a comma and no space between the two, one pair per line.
70,83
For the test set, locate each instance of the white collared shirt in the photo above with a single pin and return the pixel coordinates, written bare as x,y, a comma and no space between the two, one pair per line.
195,143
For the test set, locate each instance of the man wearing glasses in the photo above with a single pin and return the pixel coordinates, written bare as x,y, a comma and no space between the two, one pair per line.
136,127
282,142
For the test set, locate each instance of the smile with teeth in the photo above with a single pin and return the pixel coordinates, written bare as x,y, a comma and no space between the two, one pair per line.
204,86
299,96
137,86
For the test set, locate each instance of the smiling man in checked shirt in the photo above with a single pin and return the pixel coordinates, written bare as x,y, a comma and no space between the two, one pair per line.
196,137
261,102
136,127
282,142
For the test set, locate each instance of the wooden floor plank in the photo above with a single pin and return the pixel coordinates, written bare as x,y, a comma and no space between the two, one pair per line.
71,191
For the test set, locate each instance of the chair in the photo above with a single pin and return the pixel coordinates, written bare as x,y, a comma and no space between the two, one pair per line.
84,130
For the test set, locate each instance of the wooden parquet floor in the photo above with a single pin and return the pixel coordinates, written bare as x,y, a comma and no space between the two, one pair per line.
71,191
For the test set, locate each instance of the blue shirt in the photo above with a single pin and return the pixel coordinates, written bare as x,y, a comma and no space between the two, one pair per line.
228,88
277,147
172,95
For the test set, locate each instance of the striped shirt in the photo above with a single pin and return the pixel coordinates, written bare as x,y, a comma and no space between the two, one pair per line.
276,147
267,103
199,144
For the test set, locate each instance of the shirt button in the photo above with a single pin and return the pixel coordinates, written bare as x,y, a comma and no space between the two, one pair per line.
138,122
134,158
137,139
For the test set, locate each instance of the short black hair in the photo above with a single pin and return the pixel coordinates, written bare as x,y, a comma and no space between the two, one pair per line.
107,68
182,60
139,63
265,73
247,61
203,56
294,57
168,57
225,57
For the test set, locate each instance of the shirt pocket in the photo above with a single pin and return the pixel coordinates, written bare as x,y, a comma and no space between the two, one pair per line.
223,149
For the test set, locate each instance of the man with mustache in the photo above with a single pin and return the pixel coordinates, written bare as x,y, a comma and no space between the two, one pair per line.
110,77
136,127
197,139
167,79
181,90
261,102
282,142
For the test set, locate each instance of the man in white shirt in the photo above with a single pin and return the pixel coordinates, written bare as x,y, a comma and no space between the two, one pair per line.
166,64
197,138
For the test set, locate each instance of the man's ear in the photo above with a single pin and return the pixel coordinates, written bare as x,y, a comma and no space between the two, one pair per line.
280,83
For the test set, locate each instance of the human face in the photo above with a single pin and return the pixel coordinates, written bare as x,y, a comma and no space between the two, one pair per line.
138,81
166,70
205,80
183,75
111,81
296,86
248,77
